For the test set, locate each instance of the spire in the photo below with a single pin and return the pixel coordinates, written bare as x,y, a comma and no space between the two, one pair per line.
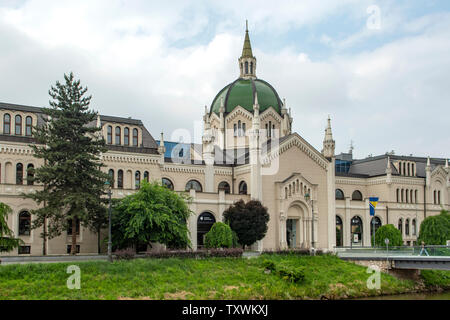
247,62
428,162
328,133
388,166
328,142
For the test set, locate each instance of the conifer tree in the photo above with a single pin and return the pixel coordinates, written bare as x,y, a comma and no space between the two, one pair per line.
71,145
7,240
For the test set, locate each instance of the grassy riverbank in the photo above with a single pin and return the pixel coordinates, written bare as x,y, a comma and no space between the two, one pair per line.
212,278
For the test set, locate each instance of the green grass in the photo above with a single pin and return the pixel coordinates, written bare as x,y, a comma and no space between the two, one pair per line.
213,278
436,278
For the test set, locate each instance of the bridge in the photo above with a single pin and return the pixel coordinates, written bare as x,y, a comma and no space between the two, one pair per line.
415,257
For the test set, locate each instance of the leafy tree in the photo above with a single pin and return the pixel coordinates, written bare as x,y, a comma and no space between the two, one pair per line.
435,230
153,214
220,236
391,232
7,240
249,221
70,144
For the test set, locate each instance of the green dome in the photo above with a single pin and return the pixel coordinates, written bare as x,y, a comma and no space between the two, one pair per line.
242,93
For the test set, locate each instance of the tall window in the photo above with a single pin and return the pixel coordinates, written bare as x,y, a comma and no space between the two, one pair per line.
126,136
28,126
6,124
399,168
375,223
193,184
407,195
224,186
398,195
24,223
243,187
357,195
137,177
412,169
69,227
146,176
339,232
109,135
118,133
111,177
167,183
400,225
19,173
251,67
415,196
434,197
30,174
246,67
235,129
414,227
18,126
403,192
439,197
135,137
120,179
339,194
407,227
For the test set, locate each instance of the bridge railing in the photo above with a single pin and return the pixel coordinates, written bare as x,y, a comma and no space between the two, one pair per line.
432,250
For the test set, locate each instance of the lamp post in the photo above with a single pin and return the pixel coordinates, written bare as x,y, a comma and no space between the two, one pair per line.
311,201
107,183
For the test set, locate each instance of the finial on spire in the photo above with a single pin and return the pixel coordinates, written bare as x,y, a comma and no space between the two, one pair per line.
246,25
428,162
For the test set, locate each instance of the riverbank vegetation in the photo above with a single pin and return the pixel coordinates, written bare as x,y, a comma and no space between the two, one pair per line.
325,276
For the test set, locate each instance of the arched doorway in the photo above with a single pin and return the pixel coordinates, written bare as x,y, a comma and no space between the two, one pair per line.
375,223
356,231
204,224
339,232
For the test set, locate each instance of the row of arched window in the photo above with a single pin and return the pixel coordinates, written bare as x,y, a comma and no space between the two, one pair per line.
119,184
118,136
356,195
437,196
356,229
270,129
407,195
406,168
407,226
19,172
18,125
296,187
246,64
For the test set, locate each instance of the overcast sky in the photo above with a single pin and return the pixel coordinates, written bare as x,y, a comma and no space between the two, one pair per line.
380,69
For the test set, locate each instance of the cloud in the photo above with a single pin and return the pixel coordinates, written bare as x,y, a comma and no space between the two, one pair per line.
163,62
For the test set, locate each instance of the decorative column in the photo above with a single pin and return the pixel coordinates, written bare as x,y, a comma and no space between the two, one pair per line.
283,243
347,224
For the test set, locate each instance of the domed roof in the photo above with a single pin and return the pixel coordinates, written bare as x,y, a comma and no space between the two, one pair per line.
242,93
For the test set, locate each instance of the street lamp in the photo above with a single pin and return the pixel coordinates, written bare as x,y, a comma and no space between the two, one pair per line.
308,199
107,183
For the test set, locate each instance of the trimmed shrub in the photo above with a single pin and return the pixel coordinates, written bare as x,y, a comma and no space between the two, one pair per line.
388,231
220,236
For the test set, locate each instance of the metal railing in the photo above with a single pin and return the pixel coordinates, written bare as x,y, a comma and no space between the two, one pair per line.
431,250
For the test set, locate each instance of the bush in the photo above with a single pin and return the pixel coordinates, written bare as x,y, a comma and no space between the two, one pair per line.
301,252
269,265
220,236
294,275
435,230
388,231
223,253
125,254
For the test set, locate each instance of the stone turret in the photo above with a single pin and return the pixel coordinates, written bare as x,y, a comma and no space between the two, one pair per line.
247,62
328,142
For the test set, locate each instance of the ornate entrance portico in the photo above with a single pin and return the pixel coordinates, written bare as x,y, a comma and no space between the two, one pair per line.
295,226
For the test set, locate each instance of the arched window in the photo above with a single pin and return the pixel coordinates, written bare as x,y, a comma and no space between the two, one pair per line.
28,126
411,196
193,184
414,227
357,195
407,195
415,196
400,225
404,169
375,223
403,193
6,124
166,182
439,197
434,197
126,136
146,176
243,187
30,174
111,177
24,223
235,130
19,173
109,135
77,227
409,169
224,186
356,230
412,169
339,232
18,130
118,135
251,67
339,194
120,179
399,168
243,129
135,137
204,224
239,128
407,227
137,179
398,195
246,67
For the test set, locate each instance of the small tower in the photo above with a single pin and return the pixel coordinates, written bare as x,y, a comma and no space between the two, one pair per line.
247,62
162,149
388,171
328,142
428,173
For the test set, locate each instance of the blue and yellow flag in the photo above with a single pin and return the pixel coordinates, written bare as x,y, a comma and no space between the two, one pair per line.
372,205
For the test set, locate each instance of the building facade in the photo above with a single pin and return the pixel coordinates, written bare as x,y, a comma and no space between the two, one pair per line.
248,151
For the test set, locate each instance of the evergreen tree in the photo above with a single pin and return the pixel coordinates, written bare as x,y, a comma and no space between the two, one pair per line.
7,240
70,144
390,232
249,221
